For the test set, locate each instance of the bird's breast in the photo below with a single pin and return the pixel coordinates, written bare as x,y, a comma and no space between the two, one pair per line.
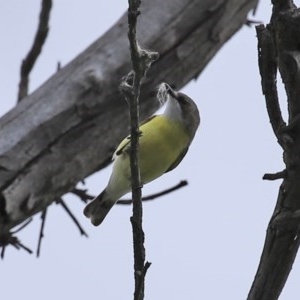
161,143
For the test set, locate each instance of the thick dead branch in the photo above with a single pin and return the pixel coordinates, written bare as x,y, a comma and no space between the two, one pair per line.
279,46
36,48
69,127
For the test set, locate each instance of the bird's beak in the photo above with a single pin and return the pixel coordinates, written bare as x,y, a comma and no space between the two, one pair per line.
171,92
164,92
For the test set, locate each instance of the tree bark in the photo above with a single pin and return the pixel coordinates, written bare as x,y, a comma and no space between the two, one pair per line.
279,49
68,128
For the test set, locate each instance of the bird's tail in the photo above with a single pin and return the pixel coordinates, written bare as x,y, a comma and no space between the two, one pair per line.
98,209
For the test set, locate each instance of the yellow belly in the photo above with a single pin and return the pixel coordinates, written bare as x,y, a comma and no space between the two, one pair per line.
161,143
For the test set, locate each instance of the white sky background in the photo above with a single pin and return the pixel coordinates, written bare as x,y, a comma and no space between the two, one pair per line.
204,240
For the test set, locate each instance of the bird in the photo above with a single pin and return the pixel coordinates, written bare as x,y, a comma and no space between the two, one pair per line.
163,142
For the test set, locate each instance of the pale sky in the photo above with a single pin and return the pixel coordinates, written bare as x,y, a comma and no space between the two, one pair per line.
205,240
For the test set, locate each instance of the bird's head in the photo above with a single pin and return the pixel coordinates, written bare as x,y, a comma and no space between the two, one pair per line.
180,108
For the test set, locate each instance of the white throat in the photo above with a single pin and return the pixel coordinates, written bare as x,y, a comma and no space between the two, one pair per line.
173,110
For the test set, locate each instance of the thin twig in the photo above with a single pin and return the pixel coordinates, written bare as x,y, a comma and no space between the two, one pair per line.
156,195
24,247
3,252
250,22
137,216
82,194
274,176
58,66
36,48
141,62
22,226
66,208
41,235
9,239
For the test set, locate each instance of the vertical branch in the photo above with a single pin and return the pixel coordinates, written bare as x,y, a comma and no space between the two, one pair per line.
268,71
41,235
141,62
279,48
36,48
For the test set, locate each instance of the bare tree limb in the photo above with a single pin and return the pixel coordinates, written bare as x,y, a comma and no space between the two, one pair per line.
27,222
43,217
41,235
84,196
75,111
9,239
18,245
141,61
36,48
274,176
279,48
74,219
156,195
268,70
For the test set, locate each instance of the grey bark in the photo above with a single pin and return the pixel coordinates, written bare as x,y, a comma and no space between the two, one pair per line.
279,49
68,128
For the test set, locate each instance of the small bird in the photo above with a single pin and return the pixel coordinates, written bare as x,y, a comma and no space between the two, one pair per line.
164,140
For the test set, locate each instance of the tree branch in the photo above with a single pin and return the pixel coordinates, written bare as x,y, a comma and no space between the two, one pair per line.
36,48
68,211
41,235
141,61
268,72
10,239
275,176
84,196
71,136
154,196
279,46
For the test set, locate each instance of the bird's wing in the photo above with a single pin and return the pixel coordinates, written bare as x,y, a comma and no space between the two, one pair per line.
178,160
147,120
125,144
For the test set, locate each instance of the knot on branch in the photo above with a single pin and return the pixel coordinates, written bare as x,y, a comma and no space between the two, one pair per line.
90,80
126,85
147,57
